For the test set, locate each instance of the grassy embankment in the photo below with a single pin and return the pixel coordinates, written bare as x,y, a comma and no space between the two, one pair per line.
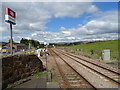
94,50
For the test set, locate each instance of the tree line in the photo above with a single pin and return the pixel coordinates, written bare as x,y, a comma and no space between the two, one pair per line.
34,43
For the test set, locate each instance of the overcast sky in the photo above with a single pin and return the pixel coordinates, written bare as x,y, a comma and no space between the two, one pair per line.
62,22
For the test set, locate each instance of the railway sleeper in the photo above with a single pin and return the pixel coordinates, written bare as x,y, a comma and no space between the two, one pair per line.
71,78
76,78
114,76
77,85
73,81
71,75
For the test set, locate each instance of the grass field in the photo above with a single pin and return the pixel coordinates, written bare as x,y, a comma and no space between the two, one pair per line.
97,47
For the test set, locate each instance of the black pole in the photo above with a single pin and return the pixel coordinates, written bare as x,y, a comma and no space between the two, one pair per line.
11,50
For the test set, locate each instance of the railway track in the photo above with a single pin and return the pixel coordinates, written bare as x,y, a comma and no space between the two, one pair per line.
94,62
67,76
98,75
100,69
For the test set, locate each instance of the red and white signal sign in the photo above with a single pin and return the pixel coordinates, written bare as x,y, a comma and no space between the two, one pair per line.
10,16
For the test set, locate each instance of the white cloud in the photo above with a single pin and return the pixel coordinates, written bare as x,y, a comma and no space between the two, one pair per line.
59,1
33,17
103,27
73,9
92,9
63,29
100,28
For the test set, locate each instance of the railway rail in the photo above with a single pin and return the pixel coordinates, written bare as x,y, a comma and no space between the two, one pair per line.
68,77
96,67
94,62
97,75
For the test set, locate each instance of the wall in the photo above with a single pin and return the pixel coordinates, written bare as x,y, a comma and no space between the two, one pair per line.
18,67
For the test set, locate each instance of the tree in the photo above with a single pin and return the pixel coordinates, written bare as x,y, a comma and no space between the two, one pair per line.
12,40
24,41
34,43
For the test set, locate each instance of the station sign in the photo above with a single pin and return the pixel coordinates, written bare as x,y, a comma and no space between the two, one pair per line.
10,16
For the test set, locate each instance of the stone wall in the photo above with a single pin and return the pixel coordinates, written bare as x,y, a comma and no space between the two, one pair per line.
18,67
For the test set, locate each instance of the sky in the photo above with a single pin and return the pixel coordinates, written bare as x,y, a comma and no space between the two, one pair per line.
54,22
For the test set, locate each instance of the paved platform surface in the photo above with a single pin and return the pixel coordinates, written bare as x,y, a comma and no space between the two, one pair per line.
38,82
52,85
42,81
35,82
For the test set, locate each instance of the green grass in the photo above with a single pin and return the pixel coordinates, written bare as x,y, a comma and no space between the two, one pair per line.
38,74
98,46
54,79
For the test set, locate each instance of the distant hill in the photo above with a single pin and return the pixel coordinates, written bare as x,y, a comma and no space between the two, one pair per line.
69,43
